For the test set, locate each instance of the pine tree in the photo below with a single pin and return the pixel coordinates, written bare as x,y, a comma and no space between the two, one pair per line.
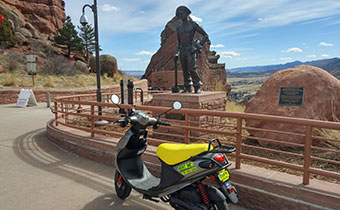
88,39
68,36
6,32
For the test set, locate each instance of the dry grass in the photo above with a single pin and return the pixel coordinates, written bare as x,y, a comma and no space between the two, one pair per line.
234,107
22,79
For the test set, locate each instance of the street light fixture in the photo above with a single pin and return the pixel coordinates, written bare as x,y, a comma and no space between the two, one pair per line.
84,22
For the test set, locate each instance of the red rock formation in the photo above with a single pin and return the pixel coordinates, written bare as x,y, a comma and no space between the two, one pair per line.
44,15
209,70
320,101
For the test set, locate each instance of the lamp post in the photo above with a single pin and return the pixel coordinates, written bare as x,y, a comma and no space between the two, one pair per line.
84,21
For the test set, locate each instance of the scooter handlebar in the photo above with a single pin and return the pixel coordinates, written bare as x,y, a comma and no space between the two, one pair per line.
163,123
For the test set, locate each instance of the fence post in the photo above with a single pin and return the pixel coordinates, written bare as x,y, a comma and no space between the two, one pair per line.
307,154
62,111
92,120
239,143
79,105
56,113
73,93
186,131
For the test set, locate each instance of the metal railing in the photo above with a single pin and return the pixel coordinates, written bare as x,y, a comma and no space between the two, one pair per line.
317,153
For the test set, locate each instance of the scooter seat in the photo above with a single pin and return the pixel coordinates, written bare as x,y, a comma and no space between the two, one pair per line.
173,154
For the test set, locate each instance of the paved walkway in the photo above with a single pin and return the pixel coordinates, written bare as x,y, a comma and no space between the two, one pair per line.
37,175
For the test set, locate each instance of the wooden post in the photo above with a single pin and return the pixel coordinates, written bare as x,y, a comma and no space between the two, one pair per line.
62,111
56,113
307,155
239,143
92,120
33,79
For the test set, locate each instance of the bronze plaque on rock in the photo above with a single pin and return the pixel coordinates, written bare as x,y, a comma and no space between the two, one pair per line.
291,96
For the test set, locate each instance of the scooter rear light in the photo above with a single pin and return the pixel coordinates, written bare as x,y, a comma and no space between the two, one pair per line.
219,157
231,190
120,180
212,178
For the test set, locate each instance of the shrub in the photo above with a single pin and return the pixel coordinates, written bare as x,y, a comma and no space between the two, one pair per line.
57,65
10,80
50,82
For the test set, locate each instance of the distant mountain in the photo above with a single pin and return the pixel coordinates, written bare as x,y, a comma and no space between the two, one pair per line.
331,65
267,67
134,73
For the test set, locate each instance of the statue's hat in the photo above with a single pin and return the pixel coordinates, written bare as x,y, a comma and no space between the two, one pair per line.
186,9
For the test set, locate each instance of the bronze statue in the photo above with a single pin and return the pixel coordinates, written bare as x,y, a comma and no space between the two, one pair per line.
188,49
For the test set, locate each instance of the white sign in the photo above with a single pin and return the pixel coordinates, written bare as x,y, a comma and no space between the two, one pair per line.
31,64
26,98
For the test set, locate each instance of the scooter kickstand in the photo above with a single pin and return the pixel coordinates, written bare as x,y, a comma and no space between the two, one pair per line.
146,197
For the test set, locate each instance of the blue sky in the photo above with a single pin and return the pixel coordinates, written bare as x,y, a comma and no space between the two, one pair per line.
242,32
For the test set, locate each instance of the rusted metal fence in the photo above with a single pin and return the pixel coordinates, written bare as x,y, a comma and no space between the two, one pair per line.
318,153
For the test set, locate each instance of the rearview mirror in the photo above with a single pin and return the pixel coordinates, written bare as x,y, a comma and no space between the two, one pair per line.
115,99
177,105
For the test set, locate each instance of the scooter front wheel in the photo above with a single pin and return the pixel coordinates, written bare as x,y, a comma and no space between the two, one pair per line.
122,188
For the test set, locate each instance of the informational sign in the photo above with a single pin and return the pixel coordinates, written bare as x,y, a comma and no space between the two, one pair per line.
291,96
31,65
26,98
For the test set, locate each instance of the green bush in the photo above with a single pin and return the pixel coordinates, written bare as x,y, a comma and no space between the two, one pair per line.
6,33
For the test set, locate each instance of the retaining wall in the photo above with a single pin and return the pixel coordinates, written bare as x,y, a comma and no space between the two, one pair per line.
258,188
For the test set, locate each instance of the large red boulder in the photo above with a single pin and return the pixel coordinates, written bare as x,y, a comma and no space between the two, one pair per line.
321,100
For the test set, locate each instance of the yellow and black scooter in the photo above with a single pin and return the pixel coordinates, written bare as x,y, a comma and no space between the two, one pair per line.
183,168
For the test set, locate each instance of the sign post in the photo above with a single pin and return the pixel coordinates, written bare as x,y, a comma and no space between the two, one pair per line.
31,66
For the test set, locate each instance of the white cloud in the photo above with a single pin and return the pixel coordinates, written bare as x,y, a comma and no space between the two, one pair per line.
325,44
293,49
324,55
217,46
131,59
311,56
196,19
228,54
145,53
287,59
109,8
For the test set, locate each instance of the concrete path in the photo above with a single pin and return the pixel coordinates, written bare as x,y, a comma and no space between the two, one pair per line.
37,175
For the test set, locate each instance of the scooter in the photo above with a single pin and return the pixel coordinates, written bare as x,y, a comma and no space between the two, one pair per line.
184,167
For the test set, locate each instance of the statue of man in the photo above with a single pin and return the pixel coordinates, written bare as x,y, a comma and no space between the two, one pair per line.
188,49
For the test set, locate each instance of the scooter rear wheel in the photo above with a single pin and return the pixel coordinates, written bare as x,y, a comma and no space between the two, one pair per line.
123,190
222,205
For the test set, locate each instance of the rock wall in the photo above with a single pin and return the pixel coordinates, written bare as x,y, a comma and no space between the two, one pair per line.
31,18
209,70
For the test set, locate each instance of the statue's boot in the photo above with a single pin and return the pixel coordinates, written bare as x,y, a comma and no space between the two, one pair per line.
197,87
187,89
198,90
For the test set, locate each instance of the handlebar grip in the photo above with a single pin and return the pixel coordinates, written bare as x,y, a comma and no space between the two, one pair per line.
164,123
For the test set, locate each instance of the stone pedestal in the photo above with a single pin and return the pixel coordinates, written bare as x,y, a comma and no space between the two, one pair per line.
207,100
